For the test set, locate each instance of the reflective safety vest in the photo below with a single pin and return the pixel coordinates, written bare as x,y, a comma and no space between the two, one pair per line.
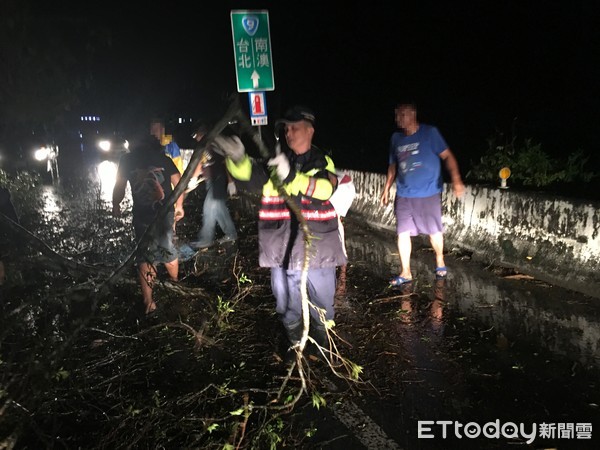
312,194
310,187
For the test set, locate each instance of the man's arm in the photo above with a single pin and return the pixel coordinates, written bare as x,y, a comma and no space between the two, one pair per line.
391,176
331,173
452,167
179,212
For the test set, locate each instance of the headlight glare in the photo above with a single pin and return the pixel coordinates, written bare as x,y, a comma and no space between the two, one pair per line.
104,145
41,153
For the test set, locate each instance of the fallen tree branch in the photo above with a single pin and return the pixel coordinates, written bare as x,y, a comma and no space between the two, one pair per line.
73,268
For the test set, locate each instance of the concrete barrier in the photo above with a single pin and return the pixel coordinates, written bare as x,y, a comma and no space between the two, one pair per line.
556,240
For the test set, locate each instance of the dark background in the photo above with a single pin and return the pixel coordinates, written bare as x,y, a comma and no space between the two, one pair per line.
473,68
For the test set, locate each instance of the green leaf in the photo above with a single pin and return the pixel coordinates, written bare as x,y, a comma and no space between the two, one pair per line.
62,374
317,400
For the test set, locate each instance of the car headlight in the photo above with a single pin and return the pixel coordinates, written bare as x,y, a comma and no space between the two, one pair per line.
104,145
41,153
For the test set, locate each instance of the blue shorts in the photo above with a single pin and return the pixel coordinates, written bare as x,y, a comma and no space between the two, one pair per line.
160,248
419,215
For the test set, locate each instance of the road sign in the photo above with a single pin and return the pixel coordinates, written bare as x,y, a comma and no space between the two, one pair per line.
258,108
252,50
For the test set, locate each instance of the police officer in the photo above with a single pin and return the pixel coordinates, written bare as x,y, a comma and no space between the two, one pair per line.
308,177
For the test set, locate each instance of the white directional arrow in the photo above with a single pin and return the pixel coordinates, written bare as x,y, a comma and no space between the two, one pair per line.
255,77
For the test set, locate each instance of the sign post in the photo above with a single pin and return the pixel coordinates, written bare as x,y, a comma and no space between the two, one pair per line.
252,50
258,108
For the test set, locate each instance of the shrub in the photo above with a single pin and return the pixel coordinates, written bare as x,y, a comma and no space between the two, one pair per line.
529,164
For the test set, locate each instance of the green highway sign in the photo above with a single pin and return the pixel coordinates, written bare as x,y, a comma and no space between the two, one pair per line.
252,50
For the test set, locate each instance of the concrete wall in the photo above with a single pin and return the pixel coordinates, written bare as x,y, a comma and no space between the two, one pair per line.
556,240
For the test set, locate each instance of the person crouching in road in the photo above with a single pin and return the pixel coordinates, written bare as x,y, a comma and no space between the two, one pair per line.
150,174
308,177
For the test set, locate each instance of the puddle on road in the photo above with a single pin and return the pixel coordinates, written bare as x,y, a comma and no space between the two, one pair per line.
562,322
475,346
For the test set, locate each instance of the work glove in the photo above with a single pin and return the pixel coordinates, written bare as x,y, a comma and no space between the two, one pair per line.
281,164
232,147
231,189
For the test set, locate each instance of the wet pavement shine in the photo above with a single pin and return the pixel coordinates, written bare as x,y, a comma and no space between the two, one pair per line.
486,358
486,348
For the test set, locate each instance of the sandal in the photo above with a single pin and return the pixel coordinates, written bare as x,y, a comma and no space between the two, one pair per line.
399,281
441,273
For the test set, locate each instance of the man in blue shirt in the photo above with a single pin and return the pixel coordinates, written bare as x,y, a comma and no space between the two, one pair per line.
415,159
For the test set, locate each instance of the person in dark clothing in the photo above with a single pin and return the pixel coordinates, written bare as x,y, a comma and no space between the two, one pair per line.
219,186
8,209
151,175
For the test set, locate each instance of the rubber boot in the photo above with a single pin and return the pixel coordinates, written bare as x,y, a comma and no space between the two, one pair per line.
318,332
294,334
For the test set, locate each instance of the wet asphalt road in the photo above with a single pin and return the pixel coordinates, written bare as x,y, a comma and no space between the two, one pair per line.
486,345
487,348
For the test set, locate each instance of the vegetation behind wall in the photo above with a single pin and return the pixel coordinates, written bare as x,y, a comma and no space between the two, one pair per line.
532,167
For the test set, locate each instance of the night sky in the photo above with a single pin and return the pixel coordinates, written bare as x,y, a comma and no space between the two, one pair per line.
471,67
